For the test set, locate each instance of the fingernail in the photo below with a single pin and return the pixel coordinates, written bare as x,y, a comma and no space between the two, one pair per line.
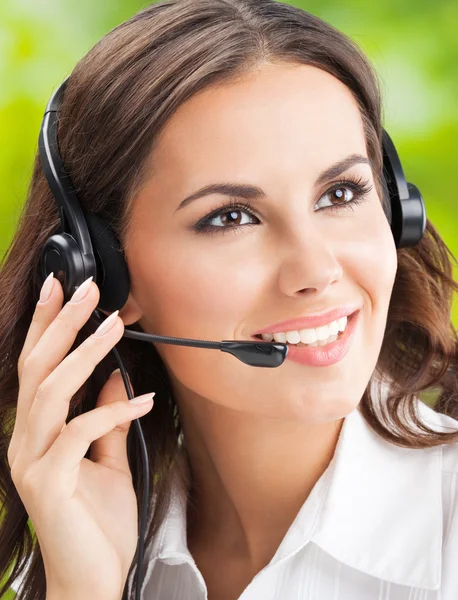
106,325
46,288
143,399
81,291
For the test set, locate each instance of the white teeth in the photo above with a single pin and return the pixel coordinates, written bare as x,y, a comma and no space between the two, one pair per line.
330,339
308,336
280,337
334,328
342,323
268,337
292,337
318,336
322,333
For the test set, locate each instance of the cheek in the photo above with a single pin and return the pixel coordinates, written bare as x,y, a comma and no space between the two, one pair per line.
198,295
195,295
374,261
374,265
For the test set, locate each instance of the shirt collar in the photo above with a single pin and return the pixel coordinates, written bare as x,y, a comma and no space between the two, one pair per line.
382,513
377,508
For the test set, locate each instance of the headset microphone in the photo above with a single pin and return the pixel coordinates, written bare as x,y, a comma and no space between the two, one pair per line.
262,354
86,245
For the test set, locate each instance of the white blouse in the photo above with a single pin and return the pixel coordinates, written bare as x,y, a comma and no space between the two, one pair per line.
381,523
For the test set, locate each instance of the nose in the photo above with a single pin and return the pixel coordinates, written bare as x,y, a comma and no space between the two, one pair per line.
307,262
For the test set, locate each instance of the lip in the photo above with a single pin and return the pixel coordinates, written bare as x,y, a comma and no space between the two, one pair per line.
323,356
311,321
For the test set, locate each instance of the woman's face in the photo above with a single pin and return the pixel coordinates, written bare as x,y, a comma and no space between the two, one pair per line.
289,257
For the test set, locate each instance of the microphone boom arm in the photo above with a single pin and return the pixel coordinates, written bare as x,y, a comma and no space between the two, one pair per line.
262,354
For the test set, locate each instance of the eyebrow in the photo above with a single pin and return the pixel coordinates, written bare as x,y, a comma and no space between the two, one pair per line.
252,192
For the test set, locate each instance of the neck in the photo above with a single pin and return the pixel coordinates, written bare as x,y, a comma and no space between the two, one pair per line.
250,477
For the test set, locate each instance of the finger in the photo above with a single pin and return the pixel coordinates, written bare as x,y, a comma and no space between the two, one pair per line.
45,313
64,457
110,450
49,350
49,409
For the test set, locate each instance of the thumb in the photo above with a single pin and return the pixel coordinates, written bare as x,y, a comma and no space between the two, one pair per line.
110,450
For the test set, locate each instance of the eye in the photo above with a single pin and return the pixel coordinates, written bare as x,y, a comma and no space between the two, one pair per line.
344,194
227,214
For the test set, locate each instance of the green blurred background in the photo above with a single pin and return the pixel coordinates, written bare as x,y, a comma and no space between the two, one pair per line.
412,44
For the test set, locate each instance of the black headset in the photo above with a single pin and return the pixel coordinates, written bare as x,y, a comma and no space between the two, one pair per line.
86,245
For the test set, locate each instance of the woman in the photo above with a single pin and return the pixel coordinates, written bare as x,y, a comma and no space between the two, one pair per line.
319,479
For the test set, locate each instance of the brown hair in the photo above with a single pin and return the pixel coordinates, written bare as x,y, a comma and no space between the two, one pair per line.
118,98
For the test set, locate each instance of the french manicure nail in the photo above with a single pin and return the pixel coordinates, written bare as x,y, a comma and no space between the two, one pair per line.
46,288
106,325
143,399
81,291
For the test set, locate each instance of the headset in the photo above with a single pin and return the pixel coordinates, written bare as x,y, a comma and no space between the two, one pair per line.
86,245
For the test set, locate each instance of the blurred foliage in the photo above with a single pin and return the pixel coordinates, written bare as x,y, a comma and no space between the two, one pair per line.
413,46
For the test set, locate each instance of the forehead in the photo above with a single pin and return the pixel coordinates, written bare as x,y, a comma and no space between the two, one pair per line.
278,106
276,128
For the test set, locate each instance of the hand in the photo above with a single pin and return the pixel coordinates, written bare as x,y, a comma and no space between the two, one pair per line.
84,511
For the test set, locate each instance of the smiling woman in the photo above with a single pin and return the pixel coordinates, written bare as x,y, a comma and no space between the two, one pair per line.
192,119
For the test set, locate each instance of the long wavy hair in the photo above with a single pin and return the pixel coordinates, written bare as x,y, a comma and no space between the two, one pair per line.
117,101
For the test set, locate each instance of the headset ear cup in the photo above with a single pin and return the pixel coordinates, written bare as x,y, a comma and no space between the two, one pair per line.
386,201
113,277
414,217
408,211
62,256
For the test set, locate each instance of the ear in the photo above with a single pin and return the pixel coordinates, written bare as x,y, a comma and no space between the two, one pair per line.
129,313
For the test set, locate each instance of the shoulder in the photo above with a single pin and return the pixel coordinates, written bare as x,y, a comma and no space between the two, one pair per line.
449,496
449,499
450,457
442,423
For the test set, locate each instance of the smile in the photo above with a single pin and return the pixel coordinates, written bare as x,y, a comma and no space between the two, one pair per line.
325,352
